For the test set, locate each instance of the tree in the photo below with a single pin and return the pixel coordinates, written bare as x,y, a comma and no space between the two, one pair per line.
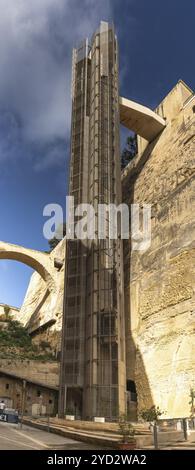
130,150
55,240
15,335
192,401
7,311
151,415
126,429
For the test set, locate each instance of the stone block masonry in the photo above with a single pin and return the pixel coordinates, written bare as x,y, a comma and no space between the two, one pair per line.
159,283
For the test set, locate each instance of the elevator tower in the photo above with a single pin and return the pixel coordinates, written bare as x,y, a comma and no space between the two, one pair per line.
93,377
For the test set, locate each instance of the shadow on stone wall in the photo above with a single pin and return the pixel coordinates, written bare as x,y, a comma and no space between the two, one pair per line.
136,371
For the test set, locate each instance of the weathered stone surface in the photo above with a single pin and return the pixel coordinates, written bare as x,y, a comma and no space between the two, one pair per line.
44,372
159,283
42,380
8,310
41,311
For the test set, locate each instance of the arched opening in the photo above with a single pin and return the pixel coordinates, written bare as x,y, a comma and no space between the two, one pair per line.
23,293
14,280
14,335
37,309
39,261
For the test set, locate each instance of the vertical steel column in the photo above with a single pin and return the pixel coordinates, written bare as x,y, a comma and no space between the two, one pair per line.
105,380
73,334
93,343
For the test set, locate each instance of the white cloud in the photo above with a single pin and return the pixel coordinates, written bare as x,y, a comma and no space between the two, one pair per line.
36,40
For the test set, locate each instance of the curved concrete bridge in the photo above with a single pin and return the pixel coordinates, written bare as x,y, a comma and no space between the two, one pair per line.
37,260
140,119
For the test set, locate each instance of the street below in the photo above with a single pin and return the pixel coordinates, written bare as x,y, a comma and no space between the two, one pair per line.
27,438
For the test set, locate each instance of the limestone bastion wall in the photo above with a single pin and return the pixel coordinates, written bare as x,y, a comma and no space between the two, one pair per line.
41,311
159,283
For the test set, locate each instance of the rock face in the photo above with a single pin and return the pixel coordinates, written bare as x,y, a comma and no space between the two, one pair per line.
39,371
9,310
42,310
159,282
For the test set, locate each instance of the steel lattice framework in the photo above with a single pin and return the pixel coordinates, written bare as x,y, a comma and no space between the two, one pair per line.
93,378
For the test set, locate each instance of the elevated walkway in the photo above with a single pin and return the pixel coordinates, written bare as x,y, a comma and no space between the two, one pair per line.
140,119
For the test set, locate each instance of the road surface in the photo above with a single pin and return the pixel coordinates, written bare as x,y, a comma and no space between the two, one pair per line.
27,438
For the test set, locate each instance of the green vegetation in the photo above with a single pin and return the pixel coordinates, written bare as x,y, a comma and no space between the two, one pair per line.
126,429
192,402
151,415
56,239
6,311
16,342
15,335
44,344
130,150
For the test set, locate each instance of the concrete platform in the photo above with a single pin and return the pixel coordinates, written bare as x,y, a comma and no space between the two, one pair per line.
104,435
140,119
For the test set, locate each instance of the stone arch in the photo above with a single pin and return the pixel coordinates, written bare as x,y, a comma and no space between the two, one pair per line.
37,260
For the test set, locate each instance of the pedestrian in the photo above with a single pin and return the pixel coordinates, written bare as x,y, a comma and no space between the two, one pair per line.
2,407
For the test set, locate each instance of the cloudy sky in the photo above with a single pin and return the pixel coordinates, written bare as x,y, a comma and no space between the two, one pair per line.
36,38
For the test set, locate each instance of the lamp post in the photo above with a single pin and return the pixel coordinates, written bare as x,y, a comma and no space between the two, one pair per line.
23,402
40,403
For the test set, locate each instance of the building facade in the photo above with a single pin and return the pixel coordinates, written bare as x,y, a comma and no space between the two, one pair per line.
28,397
93,381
